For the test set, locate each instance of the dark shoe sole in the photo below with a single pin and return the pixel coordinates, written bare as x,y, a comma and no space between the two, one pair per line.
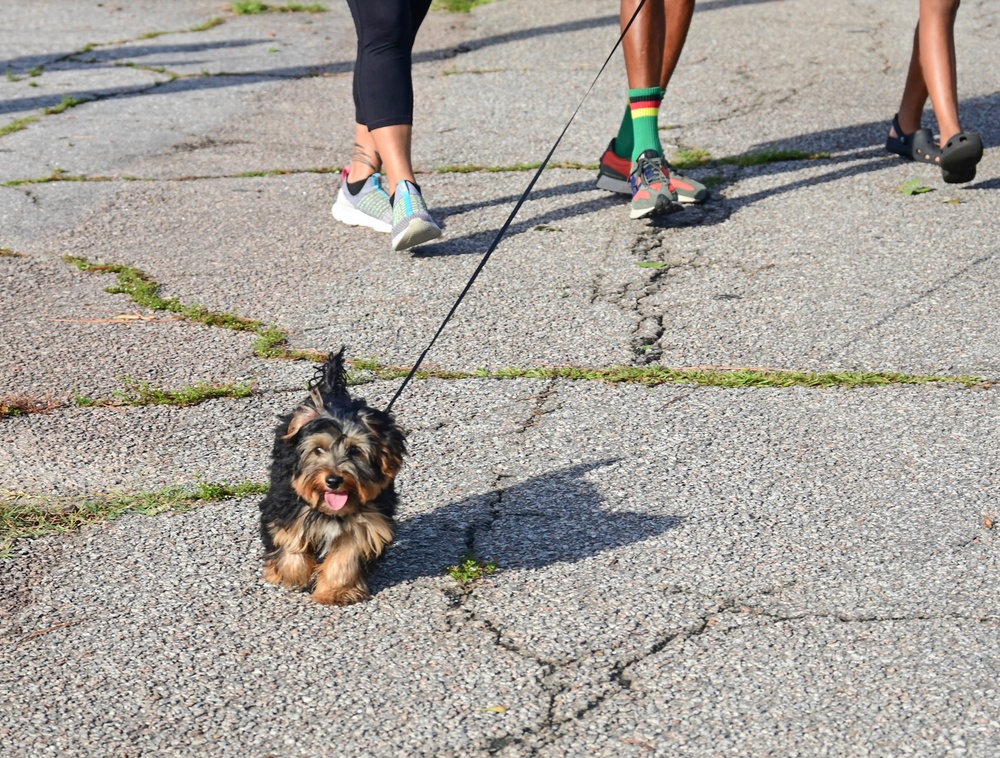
960,156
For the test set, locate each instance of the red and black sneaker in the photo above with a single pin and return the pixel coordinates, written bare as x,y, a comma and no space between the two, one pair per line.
614,171
652,194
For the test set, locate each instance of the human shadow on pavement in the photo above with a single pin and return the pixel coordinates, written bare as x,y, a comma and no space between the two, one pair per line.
557,517
154,55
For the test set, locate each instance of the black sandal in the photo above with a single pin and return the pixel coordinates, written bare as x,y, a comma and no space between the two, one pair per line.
918,146
959,157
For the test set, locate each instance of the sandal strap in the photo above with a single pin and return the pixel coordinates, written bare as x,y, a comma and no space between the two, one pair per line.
900,135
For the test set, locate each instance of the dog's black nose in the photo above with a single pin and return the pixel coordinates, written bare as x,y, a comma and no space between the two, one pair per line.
333,481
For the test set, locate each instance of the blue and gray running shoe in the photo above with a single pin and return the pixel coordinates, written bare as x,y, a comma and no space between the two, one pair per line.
412,224
370,207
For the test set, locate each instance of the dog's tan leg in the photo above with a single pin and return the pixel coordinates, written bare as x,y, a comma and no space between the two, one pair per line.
290,569
340,577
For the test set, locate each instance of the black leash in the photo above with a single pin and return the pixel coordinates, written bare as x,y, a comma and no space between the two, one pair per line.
513,213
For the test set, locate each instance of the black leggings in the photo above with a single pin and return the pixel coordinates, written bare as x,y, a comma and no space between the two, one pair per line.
383,86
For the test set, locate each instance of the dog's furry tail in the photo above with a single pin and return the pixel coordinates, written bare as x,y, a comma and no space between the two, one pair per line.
331,378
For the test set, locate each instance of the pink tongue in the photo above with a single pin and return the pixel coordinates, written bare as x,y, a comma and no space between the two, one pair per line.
336,500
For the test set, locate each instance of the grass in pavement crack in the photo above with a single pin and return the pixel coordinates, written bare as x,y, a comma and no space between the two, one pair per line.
135,393
250,7
458,6
29,515
271,342
138,393
652,376
68,102
17,125
470,570
686,158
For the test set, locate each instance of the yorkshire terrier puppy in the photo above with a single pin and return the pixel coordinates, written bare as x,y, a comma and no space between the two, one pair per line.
329,513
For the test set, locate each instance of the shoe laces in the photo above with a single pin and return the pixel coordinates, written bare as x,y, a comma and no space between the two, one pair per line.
653,170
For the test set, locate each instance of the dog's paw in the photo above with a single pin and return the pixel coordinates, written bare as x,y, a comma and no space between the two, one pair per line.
292,571
340,595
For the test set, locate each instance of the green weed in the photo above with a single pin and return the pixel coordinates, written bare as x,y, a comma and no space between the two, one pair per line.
770,156
26,516
251,7
470,570
146,393
690,157
68,102
17,125
652,376
458,6
210,24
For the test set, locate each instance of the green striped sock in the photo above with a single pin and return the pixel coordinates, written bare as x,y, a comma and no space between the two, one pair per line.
644,105
624,141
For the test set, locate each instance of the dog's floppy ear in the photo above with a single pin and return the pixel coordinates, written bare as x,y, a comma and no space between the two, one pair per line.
392,442
304,414
331,379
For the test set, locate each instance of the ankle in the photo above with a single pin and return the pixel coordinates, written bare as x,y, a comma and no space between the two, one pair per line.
908,124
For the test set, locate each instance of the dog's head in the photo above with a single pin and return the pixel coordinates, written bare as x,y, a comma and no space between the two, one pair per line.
348,452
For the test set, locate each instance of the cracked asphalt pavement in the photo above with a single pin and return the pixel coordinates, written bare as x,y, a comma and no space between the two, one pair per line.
683,569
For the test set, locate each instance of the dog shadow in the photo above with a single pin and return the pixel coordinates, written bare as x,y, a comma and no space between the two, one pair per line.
559,517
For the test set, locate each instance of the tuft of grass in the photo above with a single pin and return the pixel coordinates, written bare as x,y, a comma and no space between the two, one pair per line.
652,264
251,7
144,291
145,393
58,175
652,376
770,156
210,24
6,252
457,72
690,157
470,570
68,102
458,6
17,125
25,516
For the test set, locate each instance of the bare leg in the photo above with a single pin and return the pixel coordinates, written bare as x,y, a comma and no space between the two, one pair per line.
911,107
933,71
365,159
643,44
936,31
678,20
392,143
387,150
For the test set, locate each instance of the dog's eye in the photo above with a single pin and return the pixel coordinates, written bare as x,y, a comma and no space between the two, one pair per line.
317,451
353,452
